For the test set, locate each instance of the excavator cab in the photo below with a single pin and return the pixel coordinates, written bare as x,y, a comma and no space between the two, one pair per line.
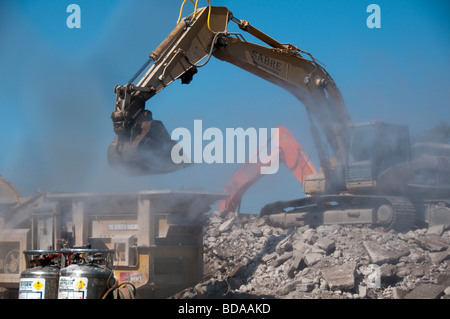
374,148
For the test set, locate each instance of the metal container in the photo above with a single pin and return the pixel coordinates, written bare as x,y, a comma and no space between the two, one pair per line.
85,280
41,280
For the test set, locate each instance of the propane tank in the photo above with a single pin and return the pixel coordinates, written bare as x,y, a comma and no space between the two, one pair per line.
40,281
88,273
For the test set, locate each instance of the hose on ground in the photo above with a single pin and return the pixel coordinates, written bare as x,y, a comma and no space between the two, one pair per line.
125,290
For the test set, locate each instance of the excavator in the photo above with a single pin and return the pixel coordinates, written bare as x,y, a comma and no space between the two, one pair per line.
290,153
369,172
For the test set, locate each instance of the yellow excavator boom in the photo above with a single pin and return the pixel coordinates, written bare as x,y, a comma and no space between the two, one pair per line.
142,144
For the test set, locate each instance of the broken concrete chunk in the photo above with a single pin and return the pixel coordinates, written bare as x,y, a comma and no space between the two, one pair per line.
215,220
398,293
256,231
447,291
213,232
432,243
284,245
287,288
442,279
305,287
295,263
283,258
435,230
362,291
301,247
260,222
387,273
426,291
326,244
340,277
269,258
402,272
416,257
381,256
226,226
267,231
309,236
312,258
440,256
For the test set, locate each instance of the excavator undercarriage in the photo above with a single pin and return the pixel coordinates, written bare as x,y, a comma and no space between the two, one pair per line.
396,213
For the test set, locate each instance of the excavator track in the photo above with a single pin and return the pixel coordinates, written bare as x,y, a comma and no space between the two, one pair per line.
390,212
404,214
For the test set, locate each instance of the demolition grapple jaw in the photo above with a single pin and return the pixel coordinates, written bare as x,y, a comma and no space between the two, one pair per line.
146,150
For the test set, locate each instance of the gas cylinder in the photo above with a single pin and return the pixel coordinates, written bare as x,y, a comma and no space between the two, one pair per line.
88,274
40,281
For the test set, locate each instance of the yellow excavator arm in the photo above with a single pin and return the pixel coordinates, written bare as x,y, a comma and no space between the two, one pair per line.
143,146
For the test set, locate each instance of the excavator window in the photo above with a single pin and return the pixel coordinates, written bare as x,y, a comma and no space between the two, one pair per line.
382,144
362,139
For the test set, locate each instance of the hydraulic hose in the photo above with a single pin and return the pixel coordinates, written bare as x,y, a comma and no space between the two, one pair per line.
125,290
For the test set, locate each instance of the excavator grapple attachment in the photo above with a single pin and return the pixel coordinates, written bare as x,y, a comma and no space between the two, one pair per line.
146,152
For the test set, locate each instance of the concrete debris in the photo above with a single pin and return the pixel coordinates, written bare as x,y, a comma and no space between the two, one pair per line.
447,291
398,293
326,244
388,273
435,230
226,226
439,257
340,277
380,256
426,291
283,258
432,242
312,258
295,263
284,246
244,257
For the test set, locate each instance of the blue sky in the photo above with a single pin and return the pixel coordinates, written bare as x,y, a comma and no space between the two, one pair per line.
56,84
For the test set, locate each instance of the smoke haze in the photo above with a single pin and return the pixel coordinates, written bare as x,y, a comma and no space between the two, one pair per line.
57,85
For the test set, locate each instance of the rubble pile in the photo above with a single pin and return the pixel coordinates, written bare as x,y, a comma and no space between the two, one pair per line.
244,257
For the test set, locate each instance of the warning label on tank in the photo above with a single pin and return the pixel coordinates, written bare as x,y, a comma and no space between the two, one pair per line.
32,288
72,288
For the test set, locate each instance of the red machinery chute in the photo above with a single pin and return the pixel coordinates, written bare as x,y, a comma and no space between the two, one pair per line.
290,153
